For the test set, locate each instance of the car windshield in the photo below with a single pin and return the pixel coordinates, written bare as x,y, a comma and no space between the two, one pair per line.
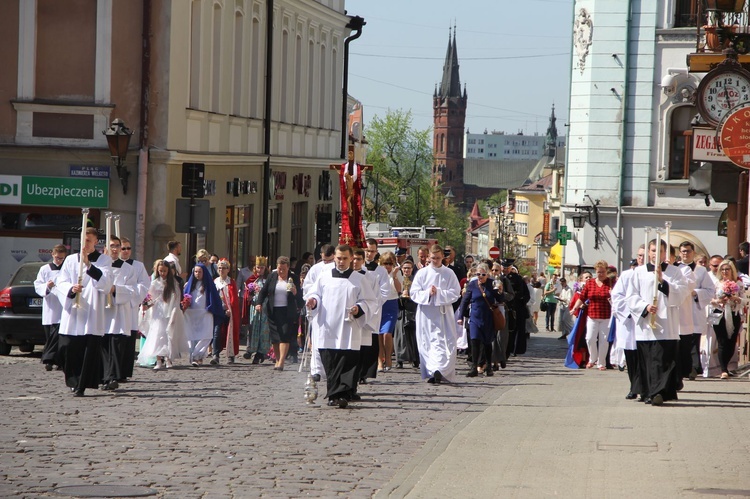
26,275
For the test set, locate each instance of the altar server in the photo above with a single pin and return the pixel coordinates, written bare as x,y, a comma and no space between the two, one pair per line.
45,286
83,323
434,290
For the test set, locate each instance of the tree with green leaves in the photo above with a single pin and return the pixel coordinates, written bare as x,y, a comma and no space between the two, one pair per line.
401,182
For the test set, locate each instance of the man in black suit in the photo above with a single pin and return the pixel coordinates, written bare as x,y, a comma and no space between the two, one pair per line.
451,263
742,263
517,324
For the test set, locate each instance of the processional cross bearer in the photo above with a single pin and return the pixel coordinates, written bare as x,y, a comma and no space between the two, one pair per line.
350,186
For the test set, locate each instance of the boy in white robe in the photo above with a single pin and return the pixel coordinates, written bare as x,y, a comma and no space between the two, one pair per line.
143,282
695,305
368,352
434,290
339,304
326,262
118,315
658,344
45,286
625,331
82,327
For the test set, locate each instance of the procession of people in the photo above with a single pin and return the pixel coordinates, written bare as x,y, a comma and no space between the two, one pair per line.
666,320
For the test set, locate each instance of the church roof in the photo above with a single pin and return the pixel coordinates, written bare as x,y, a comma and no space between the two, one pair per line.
450,86
498,173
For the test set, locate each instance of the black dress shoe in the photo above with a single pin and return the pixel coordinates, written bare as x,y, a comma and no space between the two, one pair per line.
621,368
438,377
78,393
631,396
342,403
399,365
362,381
415,365
355,397
488,371
431,380
503,364
657,399
332,402
648,401
247,355
49,367
316,378
472,374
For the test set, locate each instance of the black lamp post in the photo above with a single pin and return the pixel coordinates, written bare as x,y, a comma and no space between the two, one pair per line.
118,140
588,213
403,196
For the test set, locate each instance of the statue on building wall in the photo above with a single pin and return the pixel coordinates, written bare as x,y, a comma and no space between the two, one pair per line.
582,35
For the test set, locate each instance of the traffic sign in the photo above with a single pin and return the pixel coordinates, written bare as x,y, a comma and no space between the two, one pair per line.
494,252
563,235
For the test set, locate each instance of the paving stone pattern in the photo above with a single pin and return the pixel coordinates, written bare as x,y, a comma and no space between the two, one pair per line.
237,430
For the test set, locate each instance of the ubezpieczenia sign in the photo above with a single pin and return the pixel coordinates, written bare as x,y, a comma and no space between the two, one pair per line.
54,191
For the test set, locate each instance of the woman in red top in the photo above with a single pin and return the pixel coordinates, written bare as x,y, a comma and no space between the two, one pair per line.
596,292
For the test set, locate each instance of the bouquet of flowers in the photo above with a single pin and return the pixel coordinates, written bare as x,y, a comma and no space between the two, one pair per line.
187,299
728,288
148,301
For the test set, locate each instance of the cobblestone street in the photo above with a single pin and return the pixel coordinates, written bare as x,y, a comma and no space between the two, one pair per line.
230,431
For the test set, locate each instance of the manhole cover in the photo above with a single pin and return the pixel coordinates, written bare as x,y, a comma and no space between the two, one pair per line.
106,491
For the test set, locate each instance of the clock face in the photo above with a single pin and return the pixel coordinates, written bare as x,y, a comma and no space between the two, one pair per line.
720,92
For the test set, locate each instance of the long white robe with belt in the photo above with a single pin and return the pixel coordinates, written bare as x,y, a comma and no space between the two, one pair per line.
436,326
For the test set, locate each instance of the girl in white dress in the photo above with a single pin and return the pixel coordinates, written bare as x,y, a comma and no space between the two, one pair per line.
165,333
199,315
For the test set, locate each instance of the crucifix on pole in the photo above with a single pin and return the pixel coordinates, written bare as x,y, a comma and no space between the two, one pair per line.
350,187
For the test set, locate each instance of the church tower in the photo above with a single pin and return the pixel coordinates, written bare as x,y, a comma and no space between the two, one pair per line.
449,115
551,143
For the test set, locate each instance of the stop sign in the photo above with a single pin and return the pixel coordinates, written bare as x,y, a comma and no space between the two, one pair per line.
494,252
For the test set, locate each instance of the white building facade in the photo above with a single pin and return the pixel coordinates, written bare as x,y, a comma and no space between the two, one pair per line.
499,145
628,149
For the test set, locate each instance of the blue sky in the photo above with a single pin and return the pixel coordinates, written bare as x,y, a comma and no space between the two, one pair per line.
514,58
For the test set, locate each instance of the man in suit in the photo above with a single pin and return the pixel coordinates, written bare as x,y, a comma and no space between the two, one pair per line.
742,263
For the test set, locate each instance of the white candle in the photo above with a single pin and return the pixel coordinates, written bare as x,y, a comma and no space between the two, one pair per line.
647,231
667,226
657,263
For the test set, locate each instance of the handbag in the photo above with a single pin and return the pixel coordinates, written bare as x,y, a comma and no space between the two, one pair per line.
543,306
714,318
498,319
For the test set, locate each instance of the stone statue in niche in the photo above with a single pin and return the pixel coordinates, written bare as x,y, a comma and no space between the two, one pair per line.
582,33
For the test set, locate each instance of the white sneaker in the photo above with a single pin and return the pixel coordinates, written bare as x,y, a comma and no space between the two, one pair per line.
159,366
169,364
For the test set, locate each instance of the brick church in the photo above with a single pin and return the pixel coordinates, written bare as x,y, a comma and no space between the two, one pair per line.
449,115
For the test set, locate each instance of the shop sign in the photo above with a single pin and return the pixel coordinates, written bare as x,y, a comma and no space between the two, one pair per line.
706,145
54,191
734,135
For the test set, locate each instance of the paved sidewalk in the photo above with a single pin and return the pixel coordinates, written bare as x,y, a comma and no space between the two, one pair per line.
571,433
534,430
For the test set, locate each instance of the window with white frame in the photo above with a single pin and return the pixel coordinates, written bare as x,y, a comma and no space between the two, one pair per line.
522,206
522,228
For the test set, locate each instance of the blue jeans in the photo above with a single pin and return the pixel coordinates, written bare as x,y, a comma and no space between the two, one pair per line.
216,344
550,318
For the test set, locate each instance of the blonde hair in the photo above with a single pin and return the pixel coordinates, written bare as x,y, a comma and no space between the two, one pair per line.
601,264
387,257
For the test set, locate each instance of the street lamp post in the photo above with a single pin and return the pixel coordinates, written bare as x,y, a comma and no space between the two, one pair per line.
118,140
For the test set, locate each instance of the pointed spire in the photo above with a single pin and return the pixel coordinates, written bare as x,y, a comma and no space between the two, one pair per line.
552,129
451,83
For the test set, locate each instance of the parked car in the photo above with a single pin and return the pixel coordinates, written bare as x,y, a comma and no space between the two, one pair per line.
21,311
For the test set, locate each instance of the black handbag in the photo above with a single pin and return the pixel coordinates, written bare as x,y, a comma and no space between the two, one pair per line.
543,306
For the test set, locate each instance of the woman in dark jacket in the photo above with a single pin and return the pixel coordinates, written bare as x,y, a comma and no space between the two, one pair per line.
281,297
479,296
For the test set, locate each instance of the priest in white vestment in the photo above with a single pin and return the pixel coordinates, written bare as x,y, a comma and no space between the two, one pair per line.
434,290
83,324
658,344
339,304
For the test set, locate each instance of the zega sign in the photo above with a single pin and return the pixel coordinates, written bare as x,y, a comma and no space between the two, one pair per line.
54,191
